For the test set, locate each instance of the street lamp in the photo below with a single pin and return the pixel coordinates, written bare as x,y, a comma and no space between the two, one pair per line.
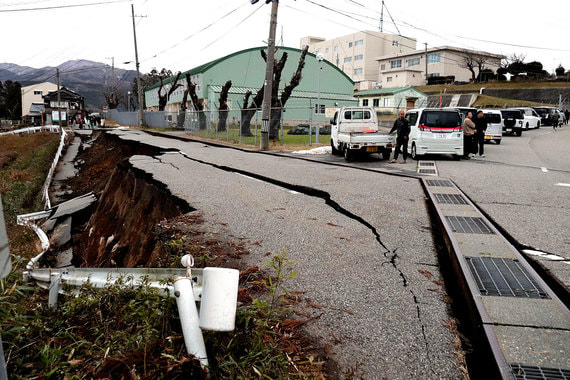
128,101
320,58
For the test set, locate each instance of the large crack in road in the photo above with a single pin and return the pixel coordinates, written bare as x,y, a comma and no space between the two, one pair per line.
390,254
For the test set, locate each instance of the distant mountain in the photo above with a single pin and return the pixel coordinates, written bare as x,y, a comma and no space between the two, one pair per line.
87,78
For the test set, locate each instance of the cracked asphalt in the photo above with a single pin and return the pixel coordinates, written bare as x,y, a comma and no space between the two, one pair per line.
361,243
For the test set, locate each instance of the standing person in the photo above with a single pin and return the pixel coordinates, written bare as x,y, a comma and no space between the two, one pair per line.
555,117
566,114
468,132
402,126
479,136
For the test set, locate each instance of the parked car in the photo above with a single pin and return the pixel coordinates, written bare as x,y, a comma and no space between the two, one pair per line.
545,114
463,111
494,130
531,118
512,121
435,131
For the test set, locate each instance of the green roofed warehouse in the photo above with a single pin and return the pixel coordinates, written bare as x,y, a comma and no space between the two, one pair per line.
246,70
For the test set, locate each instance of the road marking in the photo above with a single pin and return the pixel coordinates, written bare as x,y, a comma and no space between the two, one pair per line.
543,255
544,170
563,184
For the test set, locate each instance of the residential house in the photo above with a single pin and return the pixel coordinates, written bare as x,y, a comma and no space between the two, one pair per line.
409,68
33,110
71,104
391,100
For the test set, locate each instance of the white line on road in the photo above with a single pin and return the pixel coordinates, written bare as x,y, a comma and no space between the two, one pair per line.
563,184
544,170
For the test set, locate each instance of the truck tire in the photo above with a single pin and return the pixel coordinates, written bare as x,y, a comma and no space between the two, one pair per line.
498,142
538,125
334,150
519,132
347,154
386,154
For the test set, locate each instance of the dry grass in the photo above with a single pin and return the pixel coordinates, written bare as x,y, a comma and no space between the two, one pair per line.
435,88
485,101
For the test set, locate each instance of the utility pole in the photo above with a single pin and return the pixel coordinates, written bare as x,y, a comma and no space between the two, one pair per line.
58,99
382,16
268,84
139,89
425,43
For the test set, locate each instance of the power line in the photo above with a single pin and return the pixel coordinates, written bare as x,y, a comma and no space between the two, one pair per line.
62,6
194,34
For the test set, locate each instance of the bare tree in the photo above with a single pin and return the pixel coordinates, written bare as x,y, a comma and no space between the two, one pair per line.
471,62
197,104
163,99
113,99
223,108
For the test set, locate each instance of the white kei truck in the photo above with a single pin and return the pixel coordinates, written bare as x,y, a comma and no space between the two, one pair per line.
355,130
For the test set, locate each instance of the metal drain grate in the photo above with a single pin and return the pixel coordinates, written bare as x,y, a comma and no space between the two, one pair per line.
528,372
468,225
455,199
427,163
439,182
503,277
427,171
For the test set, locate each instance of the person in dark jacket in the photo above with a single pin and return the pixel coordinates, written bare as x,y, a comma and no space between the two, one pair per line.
402,126
479,136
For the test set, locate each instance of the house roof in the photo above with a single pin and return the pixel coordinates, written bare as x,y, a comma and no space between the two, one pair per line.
439,48
387,91
37,108
206,66
64,92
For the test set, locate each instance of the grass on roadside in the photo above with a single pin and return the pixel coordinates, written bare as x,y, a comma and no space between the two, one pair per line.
435,88
24,164
485,101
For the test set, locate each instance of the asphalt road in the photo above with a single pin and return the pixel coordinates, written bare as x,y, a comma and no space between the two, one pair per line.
361,242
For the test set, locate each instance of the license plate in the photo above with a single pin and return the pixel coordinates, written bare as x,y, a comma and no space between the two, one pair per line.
372,149
509,130
440,135
488,137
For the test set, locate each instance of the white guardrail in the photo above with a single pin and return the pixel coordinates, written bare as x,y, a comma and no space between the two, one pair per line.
215,288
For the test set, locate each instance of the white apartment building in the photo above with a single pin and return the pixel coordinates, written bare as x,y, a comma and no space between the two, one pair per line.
32,95
356,54
409,68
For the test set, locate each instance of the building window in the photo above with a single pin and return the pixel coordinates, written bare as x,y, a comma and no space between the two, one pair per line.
433,75
434,58
359,43
364,102
376,102
413,62
317,52
326,50
358,57
350,44
386,102
382,67
395,63
347,59
388,79
38,92
358,71
320,108
395,43
335,49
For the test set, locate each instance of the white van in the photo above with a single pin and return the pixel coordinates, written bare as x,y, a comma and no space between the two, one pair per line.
494,130
435,131
531,117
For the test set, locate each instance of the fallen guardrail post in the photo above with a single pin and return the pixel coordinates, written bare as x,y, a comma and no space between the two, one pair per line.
215,288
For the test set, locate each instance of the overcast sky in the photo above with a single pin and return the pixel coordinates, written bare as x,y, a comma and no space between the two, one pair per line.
182,34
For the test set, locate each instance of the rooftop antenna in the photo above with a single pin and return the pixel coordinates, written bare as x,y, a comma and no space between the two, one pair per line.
391,18
281,40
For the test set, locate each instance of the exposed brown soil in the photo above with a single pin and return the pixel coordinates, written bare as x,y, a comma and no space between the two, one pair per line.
137,222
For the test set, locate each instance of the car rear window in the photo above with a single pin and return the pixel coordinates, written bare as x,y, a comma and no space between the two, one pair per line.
493,118
357,115
514,114
442,119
